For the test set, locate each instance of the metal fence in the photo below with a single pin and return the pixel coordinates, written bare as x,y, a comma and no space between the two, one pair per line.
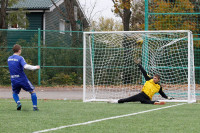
59,54
176,15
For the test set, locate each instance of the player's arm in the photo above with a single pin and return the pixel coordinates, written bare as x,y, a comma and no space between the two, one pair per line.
164,95
31,67
27,66
146,76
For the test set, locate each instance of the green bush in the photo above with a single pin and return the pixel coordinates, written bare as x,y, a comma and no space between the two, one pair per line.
5,76
64,79
50,59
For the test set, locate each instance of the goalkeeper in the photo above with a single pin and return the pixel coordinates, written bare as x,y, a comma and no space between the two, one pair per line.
150,87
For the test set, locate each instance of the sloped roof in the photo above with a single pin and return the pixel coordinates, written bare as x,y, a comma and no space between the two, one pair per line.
33,4
41,5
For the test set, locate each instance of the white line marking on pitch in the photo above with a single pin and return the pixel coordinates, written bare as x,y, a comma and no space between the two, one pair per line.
104,119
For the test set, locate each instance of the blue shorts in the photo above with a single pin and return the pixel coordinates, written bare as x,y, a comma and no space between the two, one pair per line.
25,85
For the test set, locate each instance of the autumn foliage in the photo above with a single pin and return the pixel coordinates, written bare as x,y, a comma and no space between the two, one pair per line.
171,15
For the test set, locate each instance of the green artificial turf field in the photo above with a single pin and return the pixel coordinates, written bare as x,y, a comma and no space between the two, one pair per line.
74,115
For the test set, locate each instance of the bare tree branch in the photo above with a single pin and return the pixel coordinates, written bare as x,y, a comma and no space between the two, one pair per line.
61,12
93,7
69,6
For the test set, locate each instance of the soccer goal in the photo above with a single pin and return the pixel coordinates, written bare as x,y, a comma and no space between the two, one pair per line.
109,71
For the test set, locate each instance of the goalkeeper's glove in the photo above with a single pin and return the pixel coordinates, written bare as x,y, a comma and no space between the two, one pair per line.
170,98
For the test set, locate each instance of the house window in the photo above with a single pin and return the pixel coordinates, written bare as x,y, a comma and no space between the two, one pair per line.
69,28
18,22
62,26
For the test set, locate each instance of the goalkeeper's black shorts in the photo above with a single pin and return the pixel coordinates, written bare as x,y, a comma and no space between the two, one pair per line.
141,97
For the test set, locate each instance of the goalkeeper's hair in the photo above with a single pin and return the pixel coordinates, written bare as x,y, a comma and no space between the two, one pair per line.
16,48
157,75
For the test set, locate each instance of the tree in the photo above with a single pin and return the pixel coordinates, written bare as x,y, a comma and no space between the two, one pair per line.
196,10
123,9
70,17
69,6
172,22
11,18
137,17
131,12
107,24
89,10
4,5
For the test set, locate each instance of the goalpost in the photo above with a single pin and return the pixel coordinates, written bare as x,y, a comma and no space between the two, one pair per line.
109,71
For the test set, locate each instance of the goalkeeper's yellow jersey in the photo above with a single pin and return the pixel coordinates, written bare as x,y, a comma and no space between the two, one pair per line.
150,88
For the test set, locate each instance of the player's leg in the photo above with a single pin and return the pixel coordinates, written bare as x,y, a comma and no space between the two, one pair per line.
30,88
145,99
34,100
148,101
16,90
133,98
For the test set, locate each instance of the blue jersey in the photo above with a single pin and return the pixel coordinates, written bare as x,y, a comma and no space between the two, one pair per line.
18,77
16,67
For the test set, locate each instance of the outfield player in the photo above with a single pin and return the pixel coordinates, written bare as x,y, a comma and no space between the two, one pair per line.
17,64
150,87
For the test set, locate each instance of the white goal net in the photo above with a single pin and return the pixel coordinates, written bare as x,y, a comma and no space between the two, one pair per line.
110,72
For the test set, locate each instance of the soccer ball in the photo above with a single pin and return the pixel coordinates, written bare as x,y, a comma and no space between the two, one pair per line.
139,41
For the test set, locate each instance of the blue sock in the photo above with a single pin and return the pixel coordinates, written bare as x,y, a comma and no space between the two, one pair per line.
16,98
34,99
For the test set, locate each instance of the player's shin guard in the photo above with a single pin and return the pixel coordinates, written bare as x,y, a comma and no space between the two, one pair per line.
16,98
34,99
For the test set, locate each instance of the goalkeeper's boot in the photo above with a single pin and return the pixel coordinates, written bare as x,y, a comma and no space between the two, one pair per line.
159,103
19,106
35,109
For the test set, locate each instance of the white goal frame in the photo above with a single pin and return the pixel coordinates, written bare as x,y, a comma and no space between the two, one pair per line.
191,70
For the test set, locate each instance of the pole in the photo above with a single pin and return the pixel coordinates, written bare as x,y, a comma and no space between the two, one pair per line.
146,15
39,56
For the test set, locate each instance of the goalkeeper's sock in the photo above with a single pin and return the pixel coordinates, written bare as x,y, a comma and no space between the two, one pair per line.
34,99
16,98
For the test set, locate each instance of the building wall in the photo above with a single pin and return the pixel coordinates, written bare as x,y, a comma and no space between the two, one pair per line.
52,21
35,20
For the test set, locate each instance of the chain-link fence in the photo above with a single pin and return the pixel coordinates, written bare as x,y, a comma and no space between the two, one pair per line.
59,54
176,15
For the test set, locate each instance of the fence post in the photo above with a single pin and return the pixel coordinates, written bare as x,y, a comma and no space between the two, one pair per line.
145,46
39,56
146,15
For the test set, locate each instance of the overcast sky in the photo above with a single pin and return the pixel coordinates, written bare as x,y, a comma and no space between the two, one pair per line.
102,8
